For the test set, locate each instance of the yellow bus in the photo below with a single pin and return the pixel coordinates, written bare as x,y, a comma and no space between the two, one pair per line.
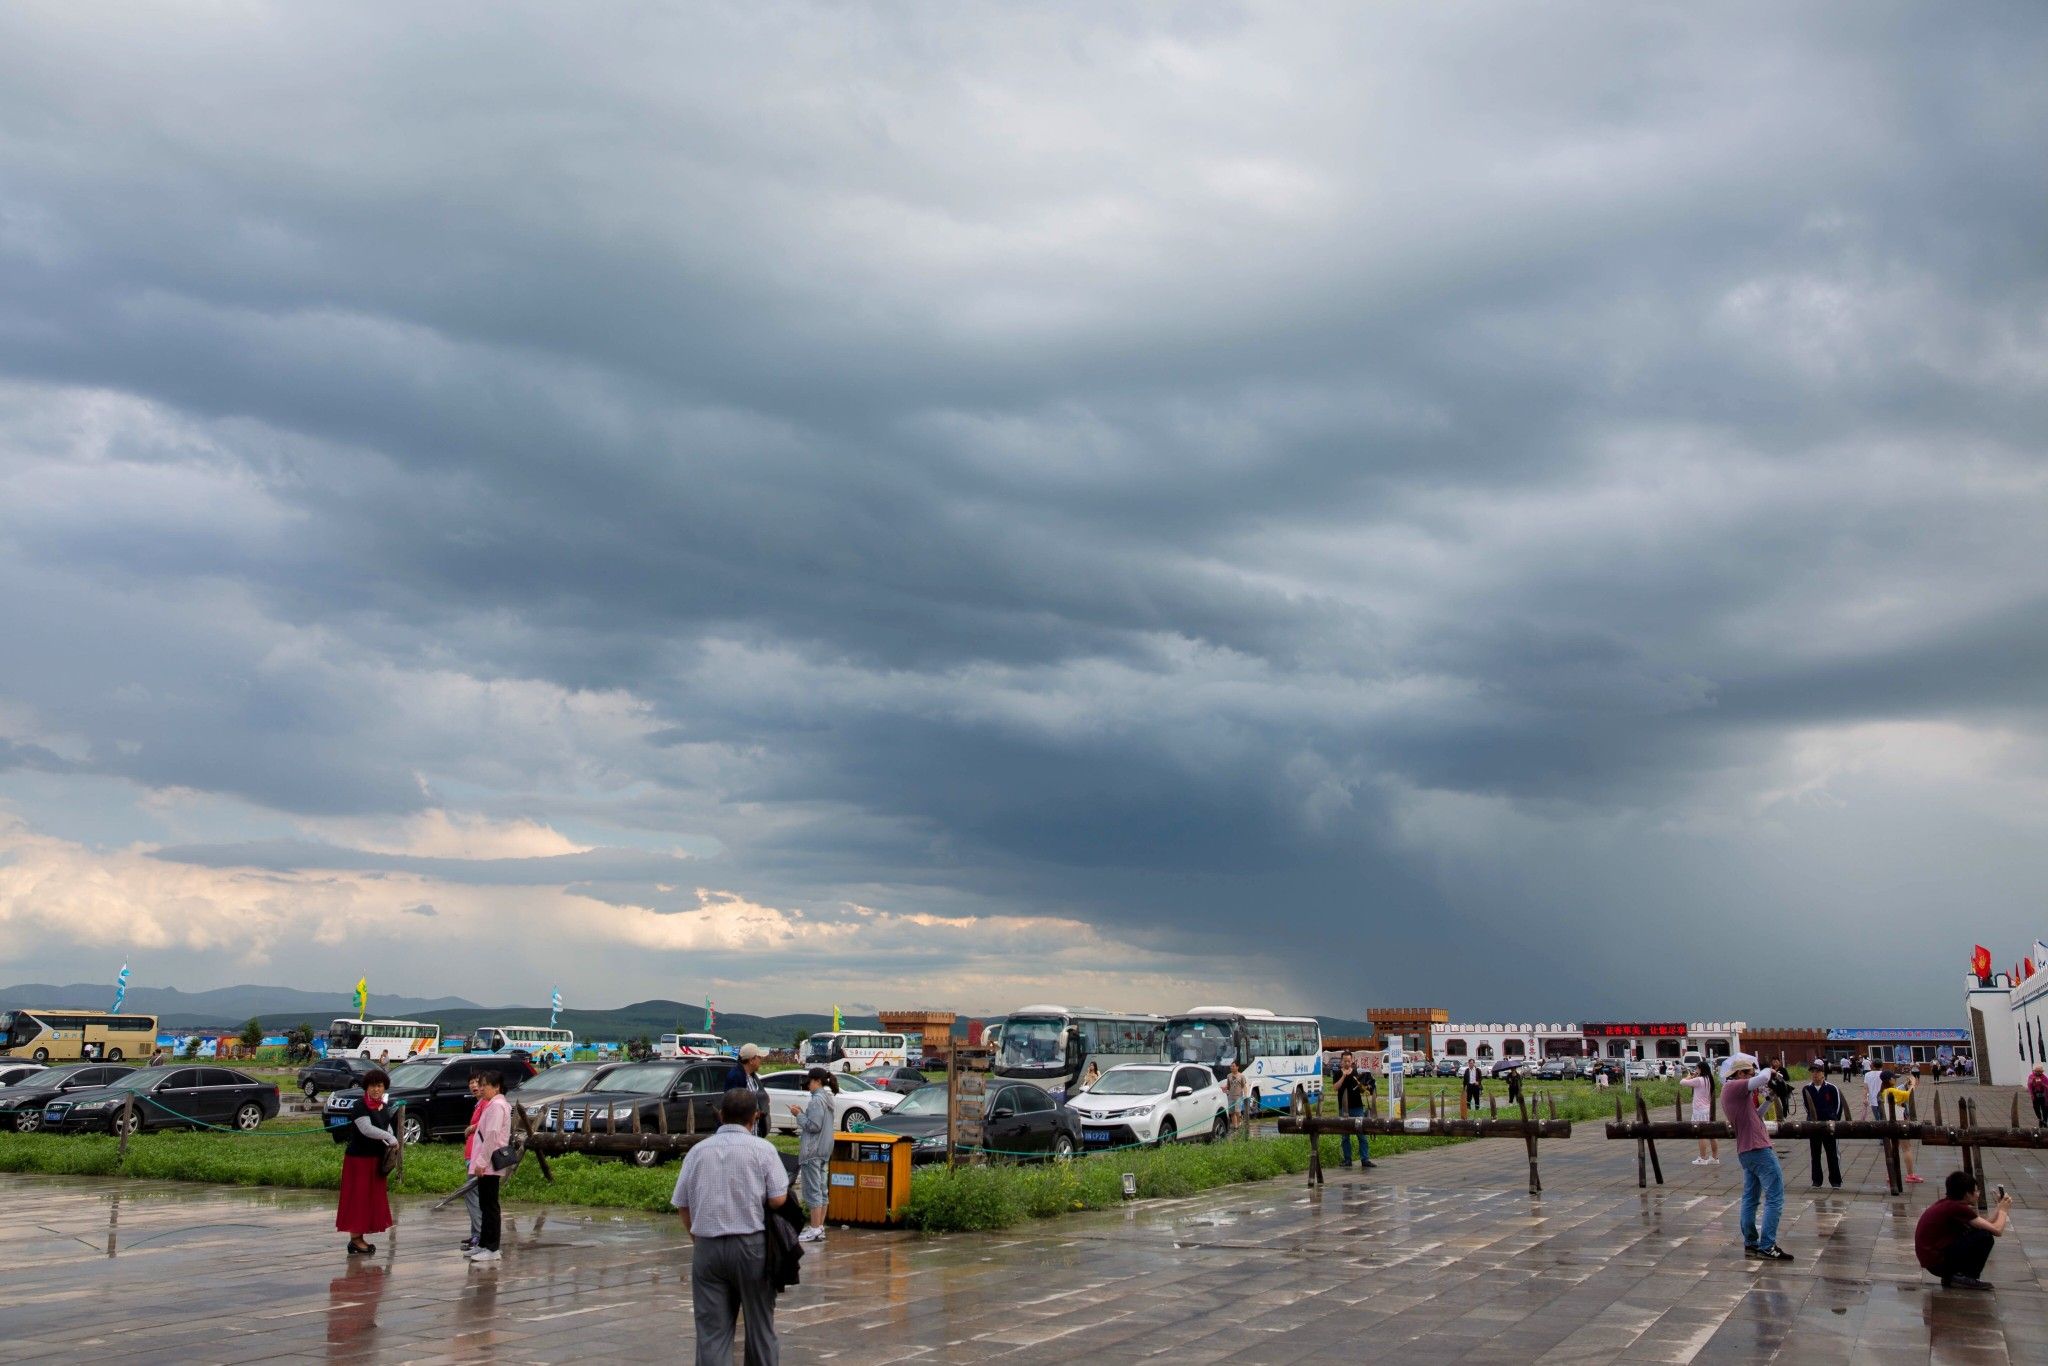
74,1035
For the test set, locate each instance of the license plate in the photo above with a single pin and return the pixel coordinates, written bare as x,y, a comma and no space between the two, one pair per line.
571,1125
1095,1135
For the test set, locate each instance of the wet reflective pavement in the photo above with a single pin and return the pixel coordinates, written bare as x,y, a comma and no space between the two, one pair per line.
1436,1256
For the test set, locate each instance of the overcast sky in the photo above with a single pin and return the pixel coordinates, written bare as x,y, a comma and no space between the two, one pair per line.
1541,512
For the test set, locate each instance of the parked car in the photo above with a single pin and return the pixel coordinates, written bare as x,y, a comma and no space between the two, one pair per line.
1557,1069
21,1105
332,1074
12,1072
173,1096
1151,1103
563,1079
683,1092
1020,1121
857,1103
901,1080
1448,1067
433,1091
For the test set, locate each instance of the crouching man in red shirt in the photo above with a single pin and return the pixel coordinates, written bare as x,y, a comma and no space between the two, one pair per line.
1953,1241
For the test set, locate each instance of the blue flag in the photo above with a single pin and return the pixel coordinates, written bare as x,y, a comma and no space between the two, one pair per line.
120,990
554,1007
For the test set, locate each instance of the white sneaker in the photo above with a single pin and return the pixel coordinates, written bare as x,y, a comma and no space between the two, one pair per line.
484,1255
811,1235
1699,1162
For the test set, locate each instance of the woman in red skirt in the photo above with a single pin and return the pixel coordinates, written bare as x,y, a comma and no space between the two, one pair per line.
364,1209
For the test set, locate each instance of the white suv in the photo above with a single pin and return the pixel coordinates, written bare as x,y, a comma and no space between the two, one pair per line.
1151,1103
856,1103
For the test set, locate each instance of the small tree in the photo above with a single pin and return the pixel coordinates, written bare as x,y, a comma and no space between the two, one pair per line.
640,1048
251,1036
801,1035
192,1046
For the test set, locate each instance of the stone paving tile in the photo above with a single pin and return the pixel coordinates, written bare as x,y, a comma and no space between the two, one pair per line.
1438,1256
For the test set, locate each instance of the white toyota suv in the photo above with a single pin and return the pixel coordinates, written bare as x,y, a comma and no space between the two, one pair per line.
1151,1103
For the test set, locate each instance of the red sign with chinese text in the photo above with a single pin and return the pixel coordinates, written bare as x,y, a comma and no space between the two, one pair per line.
1635,1031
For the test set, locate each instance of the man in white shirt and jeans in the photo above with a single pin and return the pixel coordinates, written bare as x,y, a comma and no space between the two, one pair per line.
728,1184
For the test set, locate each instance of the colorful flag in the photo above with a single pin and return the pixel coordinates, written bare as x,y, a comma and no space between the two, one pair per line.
837,1023
362,997
2026,968
710,1016
554,1007
1980,963
120,990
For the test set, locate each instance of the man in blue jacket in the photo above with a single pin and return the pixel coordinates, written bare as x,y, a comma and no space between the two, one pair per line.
745,1076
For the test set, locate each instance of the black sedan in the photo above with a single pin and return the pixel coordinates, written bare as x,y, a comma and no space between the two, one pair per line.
21,1105
902,1080
683,1093
434,1092
170,1097
333,1074
1020,1121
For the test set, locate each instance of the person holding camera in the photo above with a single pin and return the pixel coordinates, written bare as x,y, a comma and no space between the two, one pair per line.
1351,1088
1743,1089
1953,1241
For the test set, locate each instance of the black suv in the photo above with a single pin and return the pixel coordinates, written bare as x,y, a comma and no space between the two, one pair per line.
174,1096
435,1093
21,1105
678,1089
331,1074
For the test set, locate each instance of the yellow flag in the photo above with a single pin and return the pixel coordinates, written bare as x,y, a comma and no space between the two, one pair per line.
837,1022
362,997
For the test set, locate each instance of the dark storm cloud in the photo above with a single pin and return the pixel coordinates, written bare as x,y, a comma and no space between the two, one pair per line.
1224,476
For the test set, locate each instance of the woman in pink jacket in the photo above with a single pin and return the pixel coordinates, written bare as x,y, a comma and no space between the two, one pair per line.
493,1131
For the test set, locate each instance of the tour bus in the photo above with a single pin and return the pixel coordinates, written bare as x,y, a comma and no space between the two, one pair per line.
856,1050
1277,1052
399,1039
536,1040
692,1046
75,1035
1051,1046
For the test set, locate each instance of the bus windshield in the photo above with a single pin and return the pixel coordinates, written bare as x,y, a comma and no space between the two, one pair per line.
823,1048
17,1027
1034,1043
346,1034
1212,1043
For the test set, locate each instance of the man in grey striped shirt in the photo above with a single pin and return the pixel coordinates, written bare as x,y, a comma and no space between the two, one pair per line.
728,1184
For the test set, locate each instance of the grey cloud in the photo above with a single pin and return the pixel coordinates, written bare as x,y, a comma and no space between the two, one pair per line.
1096,463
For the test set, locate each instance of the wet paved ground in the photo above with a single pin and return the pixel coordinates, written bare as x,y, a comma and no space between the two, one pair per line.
1437,1256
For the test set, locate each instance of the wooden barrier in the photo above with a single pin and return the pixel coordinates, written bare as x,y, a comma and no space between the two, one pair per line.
1300,1121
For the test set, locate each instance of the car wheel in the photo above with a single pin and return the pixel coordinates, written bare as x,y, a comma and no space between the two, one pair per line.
1220,1130
646,1158
27,1122
411,1131
249,1117
1062,1148
1168,1131
854,1116
312,1090
41,1055
121,1126
114,1055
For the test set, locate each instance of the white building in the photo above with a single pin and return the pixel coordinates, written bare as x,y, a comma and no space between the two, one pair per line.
1653,1040
2008,1022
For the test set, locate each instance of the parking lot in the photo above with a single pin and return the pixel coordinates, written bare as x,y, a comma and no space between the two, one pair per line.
1438,1255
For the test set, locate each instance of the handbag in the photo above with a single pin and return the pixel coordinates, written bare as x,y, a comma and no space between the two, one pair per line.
387,1161
505,1159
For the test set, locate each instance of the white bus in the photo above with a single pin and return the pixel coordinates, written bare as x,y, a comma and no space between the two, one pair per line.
855,1050
1051,1046
692,1046
1277,1052
397,1039
537,1040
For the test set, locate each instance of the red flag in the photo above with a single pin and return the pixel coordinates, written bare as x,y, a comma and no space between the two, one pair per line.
1980,962
2027,966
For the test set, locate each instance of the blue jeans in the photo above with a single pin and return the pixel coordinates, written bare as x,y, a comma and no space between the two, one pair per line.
1344,1140
1761,1179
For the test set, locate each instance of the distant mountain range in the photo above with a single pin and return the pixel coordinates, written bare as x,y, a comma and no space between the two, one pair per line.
279,1008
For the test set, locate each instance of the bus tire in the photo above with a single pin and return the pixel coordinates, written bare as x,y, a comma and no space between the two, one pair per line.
41,1055
113,1055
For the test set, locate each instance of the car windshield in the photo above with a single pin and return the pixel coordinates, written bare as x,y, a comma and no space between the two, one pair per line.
559,1081
849,1082
55,1076
646,1078
414,1075
1034,1043
1131,1081
139,1080
925,1100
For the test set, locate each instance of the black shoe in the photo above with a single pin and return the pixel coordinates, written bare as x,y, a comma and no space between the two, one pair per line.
1750,1252
1368,1163
1773,1253
1344,1163
1816,1185
1964,1283
365,1250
